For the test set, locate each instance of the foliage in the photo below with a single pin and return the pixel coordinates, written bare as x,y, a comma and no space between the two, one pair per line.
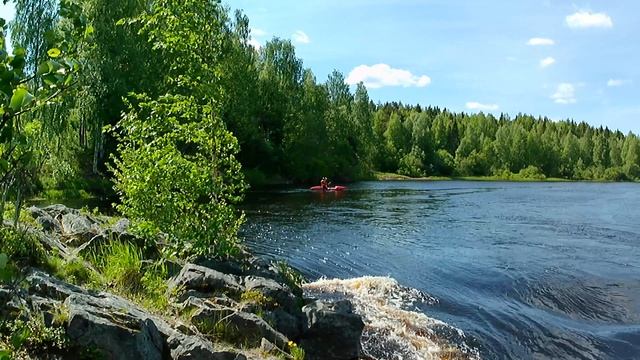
292,278
531,172
177,173
26,338
297,353
31,79
155,287
121,265
176,170
482,145
21,246
74,271
255,297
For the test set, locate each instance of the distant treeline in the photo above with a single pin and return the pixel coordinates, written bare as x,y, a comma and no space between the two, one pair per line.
416,142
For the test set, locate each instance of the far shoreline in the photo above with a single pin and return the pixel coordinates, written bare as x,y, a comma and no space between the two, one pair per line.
383,176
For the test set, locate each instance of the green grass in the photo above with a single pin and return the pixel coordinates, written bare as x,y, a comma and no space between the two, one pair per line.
74,271
122,269
121,265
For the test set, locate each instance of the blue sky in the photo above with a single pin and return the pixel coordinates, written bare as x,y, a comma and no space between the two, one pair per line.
558,58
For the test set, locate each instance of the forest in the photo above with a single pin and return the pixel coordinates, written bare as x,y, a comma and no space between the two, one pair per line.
289,126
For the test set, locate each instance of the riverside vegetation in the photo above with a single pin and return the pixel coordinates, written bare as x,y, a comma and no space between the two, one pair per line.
167,106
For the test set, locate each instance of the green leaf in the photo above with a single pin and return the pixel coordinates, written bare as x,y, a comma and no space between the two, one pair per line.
19,52
21,98
88,31
20,337
4,165
54,53
43,69
120,22
5,355
4,259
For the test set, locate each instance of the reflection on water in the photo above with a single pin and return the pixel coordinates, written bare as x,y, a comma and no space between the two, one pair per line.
525,270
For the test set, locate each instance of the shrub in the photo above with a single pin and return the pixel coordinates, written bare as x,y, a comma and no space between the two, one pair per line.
532,172
292,277
22,338
614,174
178,173
411,164
21,246
444,162
297,353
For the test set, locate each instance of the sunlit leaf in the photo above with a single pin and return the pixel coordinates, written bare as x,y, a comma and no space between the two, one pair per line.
21,98
88,31
54,53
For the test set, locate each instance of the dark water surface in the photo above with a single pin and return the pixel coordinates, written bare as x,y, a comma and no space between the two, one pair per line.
526,270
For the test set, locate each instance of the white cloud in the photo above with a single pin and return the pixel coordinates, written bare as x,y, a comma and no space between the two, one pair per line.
300,37
540,41
255,43
258,32
617,82
548,61
472,105
587,19
565,94
380,75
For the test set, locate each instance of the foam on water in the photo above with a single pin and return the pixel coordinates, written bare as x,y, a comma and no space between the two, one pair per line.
393,327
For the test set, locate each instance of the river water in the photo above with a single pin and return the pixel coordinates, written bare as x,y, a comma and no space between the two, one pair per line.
496,270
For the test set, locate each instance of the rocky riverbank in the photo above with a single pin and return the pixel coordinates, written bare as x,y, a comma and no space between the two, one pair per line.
246,308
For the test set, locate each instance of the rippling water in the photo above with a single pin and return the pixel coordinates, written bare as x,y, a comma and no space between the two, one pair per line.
524,270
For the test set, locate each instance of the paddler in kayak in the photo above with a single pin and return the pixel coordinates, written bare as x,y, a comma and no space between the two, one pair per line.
324,183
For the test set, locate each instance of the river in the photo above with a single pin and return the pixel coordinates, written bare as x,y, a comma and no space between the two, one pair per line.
513,270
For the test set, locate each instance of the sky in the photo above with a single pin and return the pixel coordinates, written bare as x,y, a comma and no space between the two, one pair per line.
555,58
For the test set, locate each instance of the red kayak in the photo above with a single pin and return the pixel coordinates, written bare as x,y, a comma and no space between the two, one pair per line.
333,188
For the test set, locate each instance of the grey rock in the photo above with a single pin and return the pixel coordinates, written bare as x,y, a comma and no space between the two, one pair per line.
194,348
45,285
333,331
237,327
121,227
205,281
268,347
78,227
251,329
46,221
289,325
281,294
58,210
111,325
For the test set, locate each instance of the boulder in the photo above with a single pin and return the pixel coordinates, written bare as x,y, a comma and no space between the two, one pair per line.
57,210
193,348
112,327
47,286
46,221
78,228
280,294
121,227
288,324
195,280
333,331
234,326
